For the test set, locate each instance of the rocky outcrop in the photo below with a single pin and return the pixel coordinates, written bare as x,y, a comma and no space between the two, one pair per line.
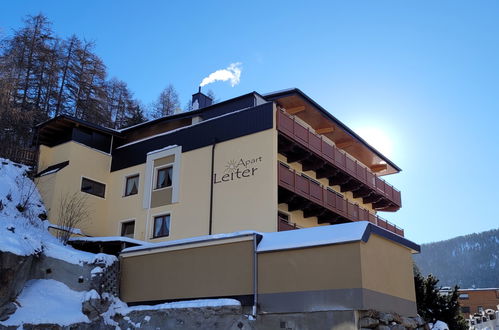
14,272
390,321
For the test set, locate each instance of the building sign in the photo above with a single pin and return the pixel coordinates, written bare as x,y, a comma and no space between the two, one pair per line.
237,169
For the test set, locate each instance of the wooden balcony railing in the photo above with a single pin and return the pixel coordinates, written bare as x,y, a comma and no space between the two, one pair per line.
314,192
294,130
283,224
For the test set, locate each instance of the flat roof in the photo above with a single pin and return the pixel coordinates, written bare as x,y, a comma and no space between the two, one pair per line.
294,239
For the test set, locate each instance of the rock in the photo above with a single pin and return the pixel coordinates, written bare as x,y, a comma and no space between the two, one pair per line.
368,322
14,272
397,327
409,323
385,318
419,320
7,310
93,305
383,327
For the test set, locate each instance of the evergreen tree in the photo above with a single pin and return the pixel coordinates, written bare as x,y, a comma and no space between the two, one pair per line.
433,306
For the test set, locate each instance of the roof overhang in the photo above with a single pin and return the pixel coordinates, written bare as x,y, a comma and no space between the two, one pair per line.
300,105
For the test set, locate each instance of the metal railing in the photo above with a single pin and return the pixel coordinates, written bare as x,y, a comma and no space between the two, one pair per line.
315,192
314,142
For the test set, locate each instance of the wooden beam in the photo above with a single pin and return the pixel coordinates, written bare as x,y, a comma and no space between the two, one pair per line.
295,110
324,130
344,144
379,167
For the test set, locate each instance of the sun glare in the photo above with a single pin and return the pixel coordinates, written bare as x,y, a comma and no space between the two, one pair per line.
378,139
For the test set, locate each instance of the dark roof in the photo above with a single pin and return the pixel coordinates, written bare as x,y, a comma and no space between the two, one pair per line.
80,122
295,91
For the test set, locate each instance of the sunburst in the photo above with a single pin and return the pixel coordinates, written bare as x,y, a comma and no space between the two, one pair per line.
231,166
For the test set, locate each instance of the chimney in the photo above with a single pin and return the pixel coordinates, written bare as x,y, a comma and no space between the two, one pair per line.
199,100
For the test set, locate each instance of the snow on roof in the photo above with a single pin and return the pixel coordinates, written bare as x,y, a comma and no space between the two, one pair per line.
307,237
110,239
162,149
197,239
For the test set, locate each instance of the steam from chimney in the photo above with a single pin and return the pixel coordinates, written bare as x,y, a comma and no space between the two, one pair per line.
232,73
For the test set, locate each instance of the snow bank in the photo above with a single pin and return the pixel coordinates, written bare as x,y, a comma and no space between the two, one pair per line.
22,232
48,301
439,325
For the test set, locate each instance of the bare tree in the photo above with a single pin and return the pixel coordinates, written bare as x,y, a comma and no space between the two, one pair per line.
73,212
167,103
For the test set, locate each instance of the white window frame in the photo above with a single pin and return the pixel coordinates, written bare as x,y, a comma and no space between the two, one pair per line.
156,173
120,229
149,177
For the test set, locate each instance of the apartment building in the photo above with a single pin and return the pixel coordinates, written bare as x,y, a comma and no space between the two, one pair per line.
266,163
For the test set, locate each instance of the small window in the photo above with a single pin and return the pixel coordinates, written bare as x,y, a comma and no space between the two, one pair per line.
161,226
92,187
464,296
132,185
465,309
128,229
164,177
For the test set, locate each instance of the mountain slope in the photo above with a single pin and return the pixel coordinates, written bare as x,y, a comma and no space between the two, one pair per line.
468,261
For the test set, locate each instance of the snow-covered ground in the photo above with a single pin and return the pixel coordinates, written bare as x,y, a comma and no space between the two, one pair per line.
22,232
48,301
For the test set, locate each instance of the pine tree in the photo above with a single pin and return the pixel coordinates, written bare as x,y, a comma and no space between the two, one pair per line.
433,306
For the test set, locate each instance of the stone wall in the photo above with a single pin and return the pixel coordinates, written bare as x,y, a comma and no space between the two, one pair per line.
390,321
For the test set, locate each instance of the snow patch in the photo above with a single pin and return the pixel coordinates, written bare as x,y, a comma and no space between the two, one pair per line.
48,301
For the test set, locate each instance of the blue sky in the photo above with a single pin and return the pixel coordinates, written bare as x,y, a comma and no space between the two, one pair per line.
422,75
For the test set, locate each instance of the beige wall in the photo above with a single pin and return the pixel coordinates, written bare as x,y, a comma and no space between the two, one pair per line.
208,271
83,162
248,202
387,268
307,269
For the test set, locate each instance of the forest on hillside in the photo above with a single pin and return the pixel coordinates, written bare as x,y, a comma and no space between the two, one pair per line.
43,76
470,261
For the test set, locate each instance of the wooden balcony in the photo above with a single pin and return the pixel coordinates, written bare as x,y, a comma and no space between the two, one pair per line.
283,224
303,193
300,144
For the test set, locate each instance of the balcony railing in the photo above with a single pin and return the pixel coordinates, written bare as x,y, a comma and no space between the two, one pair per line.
294,130
283,224
314,192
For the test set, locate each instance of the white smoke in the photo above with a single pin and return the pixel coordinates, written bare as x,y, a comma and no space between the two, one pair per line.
232,73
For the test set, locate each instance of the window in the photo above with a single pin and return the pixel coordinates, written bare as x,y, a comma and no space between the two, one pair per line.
132,185
464,296
164,177
92,187
465,309
128,229
161,226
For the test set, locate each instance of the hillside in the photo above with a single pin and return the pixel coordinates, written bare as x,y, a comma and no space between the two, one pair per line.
468,261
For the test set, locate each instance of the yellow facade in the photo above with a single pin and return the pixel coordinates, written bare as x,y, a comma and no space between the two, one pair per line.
244,200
